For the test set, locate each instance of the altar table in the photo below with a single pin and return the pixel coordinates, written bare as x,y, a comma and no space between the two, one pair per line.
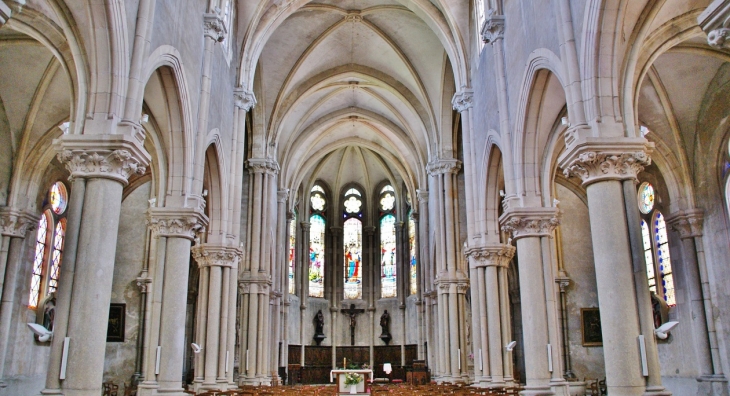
345,389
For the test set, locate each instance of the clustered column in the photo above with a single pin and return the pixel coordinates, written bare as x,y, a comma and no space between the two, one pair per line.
489,264
451,279
528,227
255,282
426,280
218,279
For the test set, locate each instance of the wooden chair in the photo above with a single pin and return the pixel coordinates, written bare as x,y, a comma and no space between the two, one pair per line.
110,388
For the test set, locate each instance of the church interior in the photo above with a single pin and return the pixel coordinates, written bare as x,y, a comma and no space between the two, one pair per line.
420,196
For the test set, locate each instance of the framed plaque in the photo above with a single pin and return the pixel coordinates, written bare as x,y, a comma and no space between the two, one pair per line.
115,326
590,319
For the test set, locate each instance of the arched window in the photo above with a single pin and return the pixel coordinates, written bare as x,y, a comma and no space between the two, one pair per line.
388,259
352,240
656,246
412,250
292,249
49,246
317,200
480,16
227,17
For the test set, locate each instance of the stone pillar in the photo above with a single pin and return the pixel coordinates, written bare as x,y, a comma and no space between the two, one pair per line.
256,281
486,261
425,281
106,162
14,226
174,229
218,262
528,226
689,226
369,269
452,279
603,164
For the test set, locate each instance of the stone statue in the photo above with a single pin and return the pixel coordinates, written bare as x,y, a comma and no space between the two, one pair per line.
49,311
319,323
385,322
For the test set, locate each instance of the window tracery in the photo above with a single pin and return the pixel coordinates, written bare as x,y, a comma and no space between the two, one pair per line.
352,241
656,246
388,258
317,242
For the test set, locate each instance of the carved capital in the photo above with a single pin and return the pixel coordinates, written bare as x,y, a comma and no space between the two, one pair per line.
493,27
143,284
487,256
422,196
212,255
530,222
715,21
440,166
282,195
687,223
244,99
452,285
305,225
214,27
113,157
563,283
463,100
254,283
15,223
176,222
598,160
263,165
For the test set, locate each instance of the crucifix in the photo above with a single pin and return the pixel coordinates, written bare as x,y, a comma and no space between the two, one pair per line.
352,312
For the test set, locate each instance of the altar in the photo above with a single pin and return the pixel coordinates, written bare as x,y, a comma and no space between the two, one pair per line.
345,389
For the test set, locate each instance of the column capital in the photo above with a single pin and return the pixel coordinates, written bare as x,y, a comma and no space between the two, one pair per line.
452,285
370,230
289,215
335,230
488,256
114,157
422,196
263,165
215,255
492,28
254,283
530,222
143,284
244,99
176,222
463,100
282,195
688,223
715,21
600,159
439,166
214,27
305,225
16,223
563,283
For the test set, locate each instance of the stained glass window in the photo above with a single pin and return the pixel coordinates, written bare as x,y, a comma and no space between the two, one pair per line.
664,260
292,249
388,257
352,205
316,256
412,249
353,191
38,260
317,201
352,232
58,239
59,198
387,202
646,198
649,256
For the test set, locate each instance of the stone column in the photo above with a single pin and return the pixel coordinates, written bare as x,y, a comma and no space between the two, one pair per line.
689,226
424,271
304,279
528,226
452,279
218,262
368,268
602,164
174,229
487,260
14,226
106,162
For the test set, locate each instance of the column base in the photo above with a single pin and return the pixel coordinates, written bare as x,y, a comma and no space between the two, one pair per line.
45,392
536,390
626,390
715,385
657,391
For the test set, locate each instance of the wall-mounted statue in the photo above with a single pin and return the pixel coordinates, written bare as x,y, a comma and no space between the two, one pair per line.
319,327
385,324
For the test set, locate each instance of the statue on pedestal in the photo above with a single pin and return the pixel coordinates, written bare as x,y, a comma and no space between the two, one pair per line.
319,327
385,324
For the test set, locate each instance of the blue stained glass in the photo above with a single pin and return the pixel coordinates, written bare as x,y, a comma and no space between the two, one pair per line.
353,258
316,256
388,257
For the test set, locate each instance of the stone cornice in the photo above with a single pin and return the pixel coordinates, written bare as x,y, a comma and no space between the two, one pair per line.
214,27
463,100
244,99
598,159
113,157
530,222
493,27
215,255
439,166
488,256
16,223
263,165
176,222
687,223
715,21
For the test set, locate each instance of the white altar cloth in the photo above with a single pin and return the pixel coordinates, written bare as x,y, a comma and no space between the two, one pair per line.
341,379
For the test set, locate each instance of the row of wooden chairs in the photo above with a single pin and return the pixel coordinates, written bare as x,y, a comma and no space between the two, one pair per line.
382,390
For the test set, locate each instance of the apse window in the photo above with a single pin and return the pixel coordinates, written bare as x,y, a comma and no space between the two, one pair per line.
317,241
388,272
50,238
656,246
292,249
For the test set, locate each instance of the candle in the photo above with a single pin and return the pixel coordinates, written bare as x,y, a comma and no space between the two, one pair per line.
344,363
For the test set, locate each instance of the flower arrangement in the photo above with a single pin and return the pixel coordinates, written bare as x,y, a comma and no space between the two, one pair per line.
352,379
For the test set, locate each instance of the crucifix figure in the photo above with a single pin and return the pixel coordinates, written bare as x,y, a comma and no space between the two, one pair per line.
352,313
